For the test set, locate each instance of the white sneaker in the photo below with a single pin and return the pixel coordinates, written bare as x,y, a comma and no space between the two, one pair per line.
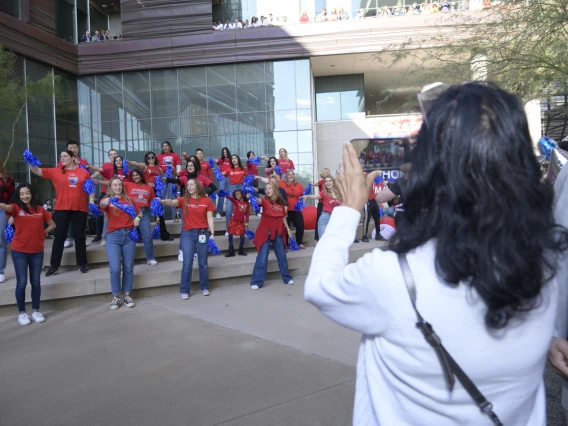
152,262
2,278
259,215
184,296
226,234
205,292
115,303
129,302
180,256
23,319
68,243
195,256
103,243
37,317
290,282
254,287
217,216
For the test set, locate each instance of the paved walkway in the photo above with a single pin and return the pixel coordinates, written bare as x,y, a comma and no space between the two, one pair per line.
238,357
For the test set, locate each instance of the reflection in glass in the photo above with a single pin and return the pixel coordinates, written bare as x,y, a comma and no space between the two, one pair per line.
222,124
252,122
250,87
109,97
286,140
304,119
164,96
303,84
280,85
305,142
192,91
282,120
328,100
137,94
193,126
221,89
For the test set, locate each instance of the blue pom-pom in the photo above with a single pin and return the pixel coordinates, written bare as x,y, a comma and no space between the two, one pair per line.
308,189
293,245
255,160
94,210
156,231
218,174
213,247
169,172
248,189
248,180
9,233
174,190
278,170
125,170
134,235
546,145
223,193
378,179
156,207
31,159
299,205
89,186
159,185
249,234
381,212
126,208
213,196
82,166
211,163
254,204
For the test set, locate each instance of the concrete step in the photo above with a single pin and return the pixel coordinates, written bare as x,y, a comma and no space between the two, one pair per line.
71,288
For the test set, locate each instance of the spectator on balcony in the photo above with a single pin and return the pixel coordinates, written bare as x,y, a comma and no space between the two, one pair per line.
271,20
361,14
118,37
246,24
96,37
255,22
219,26
425,9
397,12
415,9
304,19
86,38
435,8
236,25
445,6
323,16
342,14
333,15
264,21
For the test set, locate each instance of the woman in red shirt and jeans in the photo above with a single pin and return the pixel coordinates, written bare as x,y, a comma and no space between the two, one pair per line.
271,229
6,192
238,222
329,198
224,164
236,174
27,247
71,206
294,191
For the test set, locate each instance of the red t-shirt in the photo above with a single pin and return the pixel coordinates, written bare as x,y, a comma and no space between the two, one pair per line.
118,219
271,209
270,223
252,169
285,165
200,178
375,189
241,209
268,171
169,159
195,215
294,192
108,168
30,235
69,188
329,203
320,184
81,162
151,172
140,195
236,176
206,170
224,164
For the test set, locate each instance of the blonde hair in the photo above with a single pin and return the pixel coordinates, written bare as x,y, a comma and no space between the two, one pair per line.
123,194
200,192
285,151
287,173
276,195
324,173
335,189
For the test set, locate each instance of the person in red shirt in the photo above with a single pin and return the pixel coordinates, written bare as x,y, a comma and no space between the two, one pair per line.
7,187
238,222
236,174
330,198
252,169
71,206
270,166
323,174
270,230
112,153
372,210
120,248
27,247
151,171
191,172
169,158
284,162
141,194
294,191
205,168
198,227
224,164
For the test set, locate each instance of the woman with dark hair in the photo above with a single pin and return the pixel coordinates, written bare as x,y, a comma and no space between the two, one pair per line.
236,174
27,247
191,172
71,206
224,164
294,190
270,166
238,222
252,170
475,256
169,158
7,186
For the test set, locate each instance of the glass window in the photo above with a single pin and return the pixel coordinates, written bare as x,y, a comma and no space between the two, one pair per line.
66,106
286,140
303,84
189,145
251,94
138,129
12,7
252,142
165,127
305,142
64,17
216,143
304,119
252,122
137,94
193,126
340,97
36,71
282,120
164,96
109,91
280,85
221,89
352,97
192,91
222,124
86,88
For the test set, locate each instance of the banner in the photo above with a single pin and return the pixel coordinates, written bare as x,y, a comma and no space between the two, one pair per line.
402,126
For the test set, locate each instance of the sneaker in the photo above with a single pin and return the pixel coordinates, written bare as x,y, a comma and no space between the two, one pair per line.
103,243
254,287
356,241
379,237
365,239
302,247
205,292
2,278
195,256
51,271
168,238
96,240
67,243
226,234
223,214
23,319
259,215
115,303
84,269
129,302
180,256
37,317
217,216
176,219
152,262
290,282
184,296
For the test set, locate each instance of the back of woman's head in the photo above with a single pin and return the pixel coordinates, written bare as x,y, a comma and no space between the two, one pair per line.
476,189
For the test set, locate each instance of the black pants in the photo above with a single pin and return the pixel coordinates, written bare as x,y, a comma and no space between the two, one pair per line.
371,210
297,220
398,218
320,209
100,219
164,234
78,221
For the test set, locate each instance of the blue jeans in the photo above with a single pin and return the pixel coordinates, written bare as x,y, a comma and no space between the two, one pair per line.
23,261
223,185
189,242
261,264
229,208
167,195
120,252
146,231
3,243
322,223
105,228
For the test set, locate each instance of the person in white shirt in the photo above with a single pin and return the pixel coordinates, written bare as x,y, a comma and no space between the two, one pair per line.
220,26
481,241
264,22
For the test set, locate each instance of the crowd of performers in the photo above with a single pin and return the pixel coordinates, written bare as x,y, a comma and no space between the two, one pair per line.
131,193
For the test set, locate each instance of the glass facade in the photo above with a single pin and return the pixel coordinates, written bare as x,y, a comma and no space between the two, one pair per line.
340,97
258,106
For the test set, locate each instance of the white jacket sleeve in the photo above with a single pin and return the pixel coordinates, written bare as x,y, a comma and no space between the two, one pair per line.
350,294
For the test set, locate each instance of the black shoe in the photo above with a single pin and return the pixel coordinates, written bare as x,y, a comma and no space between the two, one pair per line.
168,238
365,239
223,214
83,269
356,241
231,253
96,240
379,237
242,252
51,271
